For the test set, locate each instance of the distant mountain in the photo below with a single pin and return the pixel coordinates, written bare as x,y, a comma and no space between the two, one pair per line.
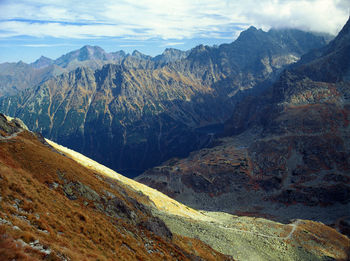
134,115
42,62
15,77
93,57
57,204
87,52
285,153
170,55
255,56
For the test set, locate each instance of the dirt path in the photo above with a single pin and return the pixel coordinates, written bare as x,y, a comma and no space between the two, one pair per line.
294,227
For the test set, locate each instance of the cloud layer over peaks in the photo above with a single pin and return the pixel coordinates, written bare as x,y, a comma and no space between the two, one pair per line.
165,19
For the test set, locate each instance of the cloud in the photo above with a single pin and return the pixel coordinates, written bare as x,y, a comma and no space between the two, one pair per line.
315,15
172,44
61,30
131,45
165,19
46,45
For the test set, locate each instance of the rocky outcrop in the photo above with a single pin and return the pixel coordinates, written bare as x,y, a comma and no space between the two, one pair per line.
10,126
134,115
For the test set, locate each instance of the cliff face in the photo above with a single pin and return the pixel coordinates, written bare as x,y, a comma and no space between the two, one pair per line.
142,111
286,153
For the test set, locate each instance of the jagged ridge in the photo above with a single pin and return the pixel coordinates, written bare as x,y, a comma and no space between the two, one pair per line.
136,114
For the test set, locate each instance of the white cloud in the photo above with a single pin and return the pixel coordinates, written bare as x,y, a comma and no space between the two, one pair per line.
46,45
316,15
144,19
58,30
131,45
172,44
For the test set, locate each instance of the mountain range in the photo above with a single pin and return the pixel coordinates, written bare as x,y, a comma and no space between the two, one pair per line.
16,77
136,111
243,148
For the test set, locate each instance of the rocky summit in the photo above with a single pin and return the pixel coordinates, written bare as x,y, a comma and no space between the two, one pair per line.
284,154
136,111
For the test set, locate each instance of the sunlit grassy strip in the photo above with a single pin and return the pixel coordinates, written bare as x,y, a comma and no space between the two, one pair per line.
161,201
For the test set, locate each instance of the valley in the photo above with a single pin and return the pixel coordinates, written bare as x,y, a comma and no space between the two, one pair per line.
238,151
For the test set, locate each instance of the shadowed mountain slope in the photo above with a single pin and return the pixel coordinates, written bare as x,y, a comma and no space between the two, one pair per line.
286,153
134,115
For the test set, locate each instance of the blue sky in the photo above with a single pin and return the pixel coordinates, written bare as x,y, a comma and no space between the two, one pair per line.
31,28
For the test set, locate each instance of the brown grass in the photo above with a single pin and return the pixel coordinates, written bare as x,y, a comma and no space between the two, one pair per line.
12,250
319,238
27,168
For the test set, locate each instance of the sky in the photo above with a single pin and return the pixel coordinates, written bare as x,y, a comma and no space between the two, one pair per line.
31,28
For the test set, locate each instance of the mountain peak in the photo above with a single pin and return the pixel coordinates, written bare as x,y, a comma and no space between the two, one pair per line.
200,48
252,28
331,63
346,28
140,55
344,33
42,62
136,53
171,55
91,52
44,58
92,48
171,50
251,32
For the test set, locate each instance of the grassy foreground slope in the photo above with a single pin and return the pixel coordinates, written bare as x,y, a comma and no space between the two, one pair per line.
53,208
244,238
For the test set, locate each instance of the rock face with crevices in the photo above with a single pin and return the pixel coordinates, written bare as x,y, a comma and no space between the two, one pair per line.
10,126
